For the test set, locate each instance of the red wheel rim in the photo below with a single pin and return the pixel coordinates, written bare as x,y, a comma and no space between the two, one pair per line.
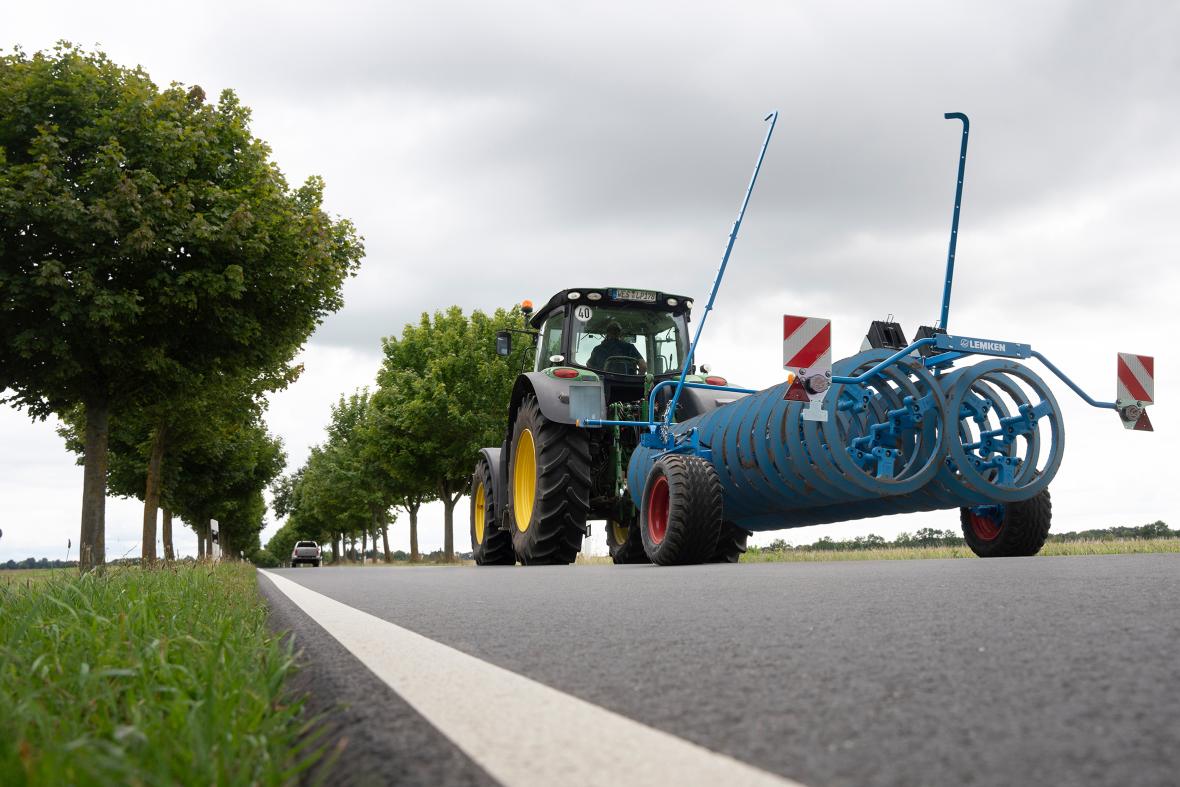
985,526
657,510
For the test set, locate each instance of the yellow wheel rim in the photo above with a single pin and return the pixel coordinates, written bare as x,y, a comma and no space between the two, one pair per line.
620,532
524,480
479,513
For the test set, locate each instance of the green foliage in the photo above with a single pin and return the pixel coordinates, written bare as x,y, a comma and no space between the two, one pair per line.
99,672
147,237
149,250
263,559
930,537
224,480
443,394
336,490
224,450
283,541
1154,530
34,563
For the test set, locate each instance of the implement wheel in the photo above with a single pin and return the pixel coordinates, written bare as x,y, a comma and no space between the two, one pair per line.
625,542
1008,529
549,487
731,544
490,545
681,519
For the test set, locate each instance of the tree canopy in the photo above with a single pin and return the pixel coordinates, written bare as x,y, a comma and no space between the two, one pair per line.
148,246
443,394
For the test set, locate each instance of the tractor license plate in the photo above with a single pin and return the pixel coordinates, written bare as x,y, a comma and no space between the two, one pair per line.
646,296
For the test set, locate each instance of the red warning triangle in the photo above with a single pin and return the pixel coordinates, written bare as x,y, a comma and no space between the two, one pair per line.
797,393
1144,423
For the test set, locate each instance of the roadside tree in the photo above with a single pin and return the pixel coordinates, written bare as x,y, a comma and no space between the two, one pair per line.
443,393
147,242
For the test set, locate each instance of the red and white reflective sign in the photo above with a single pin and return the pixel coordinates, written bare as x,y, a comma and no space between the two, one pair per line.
807,353
1136,390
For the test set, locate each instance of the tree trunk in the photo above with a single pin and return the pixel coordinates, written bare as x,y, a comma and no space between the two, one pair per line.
200,531
448,521
385,541
169,552
92,550
412,508
336,547
151,496
364,544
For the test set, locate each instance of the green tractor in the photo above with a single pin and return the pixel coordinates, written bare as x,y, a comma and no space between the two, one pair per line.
599,352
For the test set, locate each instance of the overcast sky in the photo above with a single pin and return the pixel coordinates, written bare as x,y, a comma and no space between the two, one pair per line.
490,152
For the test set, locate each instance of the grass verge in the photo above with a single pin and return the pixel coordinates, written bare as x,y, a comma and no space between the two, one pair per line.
160,676
1122,547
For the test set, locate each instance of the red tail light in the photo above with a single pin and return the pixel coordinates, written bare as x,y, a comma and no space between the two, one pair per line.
565,374
714,380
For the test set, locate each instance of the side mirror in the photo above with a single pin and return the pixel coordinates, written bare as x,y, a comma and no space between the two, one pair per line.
503,343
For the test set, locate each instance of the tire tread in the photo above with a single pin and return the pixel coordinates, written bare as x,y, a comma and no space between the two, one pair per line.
1024,531
563,490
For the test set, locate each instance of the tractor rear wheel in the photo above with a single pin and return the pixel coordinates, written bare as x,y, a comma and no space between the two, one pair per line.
731,544
549,483
681,517
1010,529
490,545
625,542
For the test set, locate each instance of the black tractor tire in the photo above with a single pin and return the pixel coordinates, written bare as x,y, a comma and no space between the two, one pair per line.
490,545
681,517
625,542
1020,531
731,544
547,525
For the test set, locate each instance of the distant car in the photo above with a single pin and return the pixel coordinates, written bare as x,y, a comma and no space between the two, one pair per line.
306,552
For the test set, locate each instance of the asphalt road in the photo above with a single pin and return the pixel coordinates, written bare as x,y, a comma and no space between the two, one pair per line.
1053,671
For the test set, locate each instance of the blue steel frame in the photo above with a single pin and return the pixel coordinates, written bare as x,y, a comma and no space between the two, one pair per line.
955,347
945,360
950,255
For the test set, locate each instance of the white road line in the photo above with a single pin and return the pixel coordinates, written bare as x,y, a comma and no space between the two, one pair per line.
521,732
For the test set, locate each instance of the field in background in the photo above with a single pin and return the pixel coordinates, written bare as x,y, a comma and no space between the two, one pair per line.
157,676
26,577
1051,549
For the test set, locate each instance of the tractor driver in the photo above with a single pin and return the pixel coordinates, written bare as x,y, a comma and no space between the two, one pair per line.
613,346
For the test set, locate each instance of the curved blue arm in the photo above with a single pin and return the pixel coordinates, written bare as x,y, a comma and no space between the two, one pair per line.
950,256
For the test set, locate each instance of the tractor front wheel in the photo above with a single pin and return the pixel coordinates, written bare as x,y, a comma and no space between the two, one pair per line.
549,487
1009,529
490,545
681,517
624,541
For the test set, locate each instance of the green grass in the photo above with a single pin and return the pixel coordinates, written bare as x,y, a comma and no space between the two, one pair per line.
1050,549
161,676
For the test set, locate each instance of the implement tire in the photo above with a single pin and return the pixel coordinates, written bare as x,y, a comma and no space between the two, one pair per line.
1008,530
625,542
731,544
549,487
490,545
681,517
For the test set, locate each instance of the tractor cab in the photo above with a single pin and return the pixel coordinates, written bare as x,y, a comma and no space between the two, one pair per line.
622,335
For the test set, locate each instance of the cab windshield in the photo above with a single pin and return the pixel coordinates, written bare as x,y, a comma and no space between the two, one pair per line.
628,341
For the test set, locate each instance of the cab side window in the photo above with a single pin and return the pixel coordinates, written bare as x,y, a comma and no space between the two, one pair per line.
551,339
